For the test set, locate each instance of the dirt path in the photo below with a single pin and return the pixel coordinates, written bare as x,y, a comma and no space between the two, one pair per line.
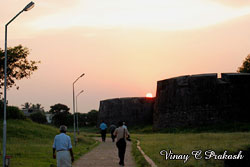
105,155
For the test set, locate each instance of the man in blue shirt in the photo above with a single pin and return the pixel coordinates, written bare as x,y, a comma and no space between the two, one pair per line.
103,128
62,149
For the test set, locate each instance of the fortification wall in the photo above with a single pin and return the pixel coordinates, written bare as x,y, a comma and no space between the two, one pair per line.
198,100
134,111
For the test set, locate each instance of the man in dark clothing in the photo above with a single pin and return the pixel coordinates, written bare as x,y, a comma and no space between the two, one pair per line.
112,129
121,134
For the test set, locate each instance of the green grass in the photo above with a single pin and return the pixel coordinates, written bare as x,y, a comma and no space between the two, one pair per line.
91,129
86,129
141,129
139,159
184,143
222,127
30,144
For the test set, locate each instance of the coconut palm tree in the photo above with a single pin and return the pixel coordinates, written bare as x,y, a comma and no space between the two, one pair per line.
26,105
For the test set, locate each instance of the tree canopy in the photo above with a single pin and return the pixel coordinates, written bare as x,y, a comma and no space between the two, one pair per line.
19,66
58,108
26,105
62,116
33,107
92,117
245,68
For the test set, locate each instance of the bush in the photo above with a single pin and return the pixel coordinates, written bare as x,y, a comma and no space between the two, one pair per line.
38,117
12,112
62,118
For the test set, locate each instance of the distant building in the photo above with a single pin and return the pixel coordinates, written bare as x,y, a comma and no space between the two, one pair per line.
27,112
49,117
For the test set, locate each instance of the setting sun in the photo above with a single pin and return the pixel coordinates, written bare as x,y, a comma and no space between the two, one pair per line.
124,47
149,95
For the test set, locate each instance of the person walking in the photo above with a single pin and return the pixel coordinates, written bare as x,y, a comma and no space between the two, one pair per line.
121,134
62,149
112,129
124,125
103,128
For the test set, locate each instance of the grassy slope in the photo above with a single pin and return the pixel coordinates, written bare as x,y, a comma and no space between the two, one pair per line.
30,144
186,142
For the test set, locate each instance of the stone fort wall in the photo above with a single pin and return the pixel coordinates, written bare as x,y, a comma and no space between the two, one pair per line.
134,111
198,100
185,101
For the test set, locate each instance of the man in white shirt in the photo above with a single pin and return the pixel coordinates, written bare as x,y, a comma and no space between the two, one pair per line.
62,149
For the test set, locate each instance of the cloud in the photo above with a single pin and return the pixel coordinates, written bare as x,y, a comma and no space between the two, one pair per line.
163,15
234,3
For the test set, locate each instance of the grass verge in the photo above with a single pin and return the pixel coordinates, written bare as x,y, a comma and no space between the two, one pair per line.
216,128
139,159
30,144
185,143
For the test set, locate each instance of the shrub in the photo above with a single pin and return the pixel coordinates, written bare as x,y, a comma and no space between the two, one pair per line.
38,117
12,112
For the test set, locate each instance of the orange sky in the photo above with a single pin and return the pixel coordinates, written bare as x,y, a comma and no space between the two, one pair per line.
124,47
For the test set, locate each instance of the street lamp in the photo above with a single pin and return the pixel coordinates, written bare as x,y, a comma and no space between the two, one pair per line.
77,111
26,8
74,107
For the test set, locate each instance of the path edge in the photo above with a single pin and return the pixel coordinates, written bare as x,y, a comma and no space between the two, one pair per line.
149,160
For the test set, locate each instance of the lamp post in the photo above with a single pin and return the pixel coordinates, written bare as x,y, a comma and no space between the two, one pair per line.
74,107
26,8
77,111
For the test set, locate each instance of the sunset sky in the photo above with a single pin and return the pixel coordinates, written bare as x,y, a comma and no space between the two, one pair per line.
123,46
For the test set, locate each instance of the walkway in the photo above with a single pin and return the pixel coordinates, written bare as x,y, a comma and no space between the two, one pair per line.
105,155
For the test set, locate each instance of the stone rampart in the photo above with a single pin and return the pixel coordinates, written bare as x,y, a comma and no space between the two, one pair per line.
198,100
134,111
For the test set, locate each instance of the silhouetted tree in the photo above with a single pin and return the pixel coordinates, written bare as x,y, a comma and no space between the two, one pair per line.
18,65
33,107
82,119
92,117
62,116
87,119
57,108
26,105
37,107
245,68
